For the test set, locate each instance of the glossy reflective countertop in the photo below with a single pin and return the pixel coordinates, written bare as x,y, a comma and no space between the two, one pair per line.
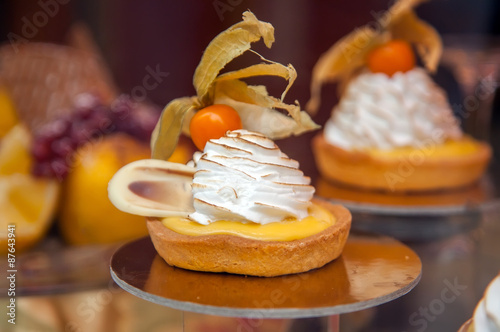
372,270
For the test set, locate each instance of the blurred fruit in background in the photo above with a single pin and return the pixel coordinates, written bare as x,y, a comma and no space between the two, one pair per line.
76,132
83,149
183,151
27,202
89,119
87,215
79,150
8,117
43,79
15,154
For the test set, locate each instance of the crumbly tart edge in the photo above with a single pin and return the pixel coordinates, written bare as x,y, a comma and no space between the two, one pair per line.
365,171
239,255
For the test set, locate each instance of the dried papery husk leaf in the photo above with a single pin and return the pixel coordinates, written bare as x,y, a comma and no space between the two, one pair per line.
259,111
339,60
225,47
169,126
425,38
187,120
397,9
264,69
349,53
254,101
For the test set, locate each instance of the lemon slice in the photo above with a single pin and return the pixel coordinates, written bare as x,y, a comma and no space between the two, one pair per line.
25,201
29,204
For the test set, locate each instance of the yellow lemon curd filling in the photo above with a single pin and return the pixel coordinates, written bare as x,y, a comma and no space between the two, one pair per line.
289,229
450,148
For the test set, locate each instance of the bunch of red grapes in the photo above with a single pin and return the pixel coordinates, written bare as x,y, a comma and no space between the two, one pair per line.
54,145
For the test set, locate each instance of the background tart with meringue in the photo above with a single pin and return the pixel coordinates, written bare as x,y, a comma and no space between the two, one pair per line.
393,128
486,316
241,206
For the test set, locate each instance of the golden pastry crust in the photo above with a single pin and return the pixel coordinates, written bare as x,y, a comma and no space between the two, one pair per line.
235,254
399,174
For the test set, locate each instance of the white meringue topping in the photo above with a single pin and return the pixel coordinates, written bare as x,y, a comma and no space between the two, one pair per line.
244,176
487,313
378,111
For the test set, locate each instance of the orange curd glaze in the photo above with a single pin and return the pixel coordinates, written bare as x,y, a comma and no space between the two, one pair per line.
432,149
289,229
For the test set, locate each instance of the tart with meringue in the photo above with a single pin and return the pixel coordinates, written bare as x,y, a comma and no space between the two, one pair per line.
393,128
241,206
486,316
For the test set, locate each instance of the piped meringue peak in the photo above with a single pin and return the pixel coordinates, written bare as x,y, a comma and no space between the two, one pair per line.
244,176
378,111
487,313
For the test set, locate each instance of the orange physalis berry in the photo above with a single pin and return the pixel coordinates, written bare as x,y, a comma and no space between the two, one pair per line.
213,122
391,57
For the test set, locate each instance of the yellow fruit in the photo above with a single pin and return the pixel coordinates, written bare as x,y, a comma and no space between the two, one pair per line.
87,216
15,154
25,201
183,152
29,204
8,117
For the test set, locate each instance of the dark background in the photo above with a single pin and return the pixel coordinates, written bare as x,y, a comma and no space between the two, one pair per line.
171,36
135,34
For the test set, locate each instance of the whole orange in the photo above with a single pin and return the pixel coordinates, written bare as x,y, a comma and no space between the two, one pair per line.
87,216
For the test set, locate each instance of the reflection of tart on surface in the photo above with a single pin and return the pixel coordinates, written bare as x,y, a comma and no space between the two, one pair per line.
393,128
473,195
304,290
243,255
449,165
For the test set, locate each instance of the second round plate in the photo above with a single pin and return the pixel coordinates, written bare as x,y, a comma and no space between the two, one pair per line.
371,270
412,217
